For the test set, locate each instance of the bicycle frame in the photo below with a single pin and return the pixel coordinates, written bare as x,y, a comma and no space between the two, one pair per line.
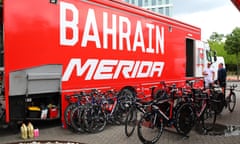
203,106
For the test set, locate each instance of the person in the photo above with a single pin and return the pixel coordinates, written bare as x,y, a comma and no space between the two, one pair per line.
221,77
208,74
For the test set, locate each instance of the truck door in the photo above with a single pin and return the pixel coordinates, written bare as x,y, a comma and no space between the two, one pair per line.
189,58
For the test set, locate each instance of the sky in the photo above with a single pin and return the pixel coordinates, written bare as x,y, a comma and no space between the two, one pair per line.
219,16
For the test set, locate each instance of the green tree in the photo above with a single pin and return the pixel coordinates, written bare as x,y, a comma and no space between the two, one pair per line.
232,45
216,37
217,43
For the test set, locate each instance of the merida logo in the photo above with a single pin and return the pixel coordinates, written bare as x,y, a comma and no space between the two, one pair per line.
106,69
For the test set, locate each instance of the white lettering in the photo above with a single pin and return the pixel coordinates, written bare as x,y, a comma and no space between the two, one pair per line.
92,63
150,29
125,67
134,73
104,70
124,35
64,24
138,34
157,68
109,31
94,69
159,40
144,69
91,22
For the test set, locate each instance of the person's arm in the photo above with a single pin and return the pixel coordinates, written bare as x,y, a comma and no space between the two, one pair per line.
213,75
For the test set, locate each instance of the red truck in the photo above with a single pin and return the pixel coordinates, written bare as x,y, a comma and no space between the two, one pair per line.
51,48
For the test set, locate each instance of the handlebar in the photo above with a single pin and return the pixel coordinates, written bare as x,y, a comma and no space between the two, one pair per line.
232,87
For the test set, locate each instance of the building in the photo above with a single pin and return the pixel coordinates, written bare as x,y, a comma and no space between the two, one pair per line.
160,6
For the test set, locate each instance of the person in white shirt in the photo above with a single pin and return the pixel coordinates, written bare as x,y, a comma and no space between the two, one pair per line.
209,74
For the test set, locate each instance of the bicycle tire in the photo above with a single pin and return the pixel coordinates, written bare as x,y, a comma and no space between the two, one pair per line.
131,121
220,105
67,114
231,99
2,116
152,123
94,119
76,119
185,118
209,117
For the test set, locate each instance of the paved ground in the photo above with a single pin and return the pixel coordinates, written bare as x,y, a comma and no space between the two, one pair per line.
115,134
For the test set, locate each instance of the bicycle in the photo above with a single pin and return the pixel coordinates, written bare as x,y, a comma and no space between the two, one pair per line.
204,106
217,94
136,105
231,98
2,115
73,101
104,110
163,113
76,112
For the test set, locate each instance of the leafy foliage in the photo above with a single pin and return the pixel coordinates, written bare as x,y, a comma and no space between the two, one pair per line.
232,43
227,46
218,46
215,37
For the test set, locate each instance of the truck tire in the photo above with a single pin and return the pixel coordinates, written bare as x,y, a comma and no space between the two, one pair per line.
125,97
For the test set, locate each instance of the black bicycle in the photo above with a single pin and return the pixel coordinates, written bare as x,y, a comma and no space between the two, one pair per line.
166,111
228,101
76,112
2,115
75,102
204,104
136,105
104,108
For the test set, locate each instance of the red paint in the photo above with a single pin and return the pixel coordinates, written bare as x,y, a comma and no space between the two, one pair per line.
32,38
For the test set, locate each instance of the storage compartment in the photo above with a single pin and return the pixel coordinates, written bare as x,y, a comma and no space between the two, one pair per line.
36,80
35,93
34,112
35,107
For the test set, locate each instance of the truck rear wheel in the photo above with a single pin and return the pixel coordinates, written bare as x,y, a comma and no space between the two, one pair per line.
125,98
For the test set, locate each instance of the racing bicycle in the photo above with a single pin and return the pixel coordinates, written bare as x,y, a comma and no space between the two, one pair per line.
231,98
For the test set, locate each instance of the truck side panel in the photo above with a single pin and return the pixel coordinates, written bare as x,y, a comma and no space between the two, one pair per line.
98,43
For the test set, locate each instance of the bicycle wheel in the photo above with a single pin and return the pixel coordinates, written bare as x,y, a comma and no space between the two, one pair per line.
220,105
76,119
185,118
2,116
209,117
150,128
67,114
131,121
231,101
94,119
120,114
